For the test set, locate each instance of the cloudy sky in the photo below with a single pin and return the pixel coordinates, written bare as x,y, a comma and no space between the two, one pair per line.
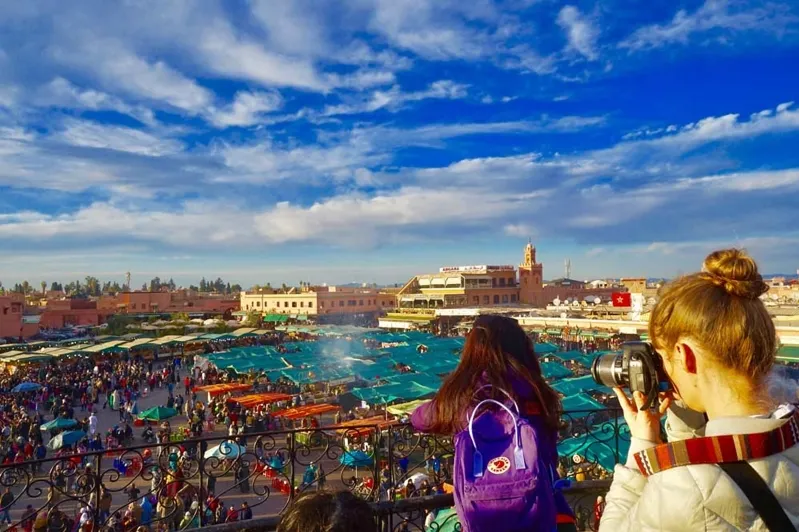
333,141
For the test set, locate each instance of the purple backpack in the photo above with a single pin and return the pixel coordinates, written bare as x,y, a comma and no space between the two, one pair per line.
503,476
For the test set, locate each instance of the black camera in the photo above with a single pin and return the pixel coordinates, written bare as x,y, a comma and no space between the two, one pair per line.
638,367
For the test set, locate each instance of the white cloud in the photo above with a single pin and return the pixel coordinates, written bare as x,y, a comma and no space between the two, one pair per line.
247,108
394,98
63,94
712,15
93,135
120,69
244,59
581,32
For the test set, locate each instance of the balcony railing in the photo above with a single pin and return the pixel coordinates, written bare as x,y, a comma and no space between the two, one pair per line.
269,469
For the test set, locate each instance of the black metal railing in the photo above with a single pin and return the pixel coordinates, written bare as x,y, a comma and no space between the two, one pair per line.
181,481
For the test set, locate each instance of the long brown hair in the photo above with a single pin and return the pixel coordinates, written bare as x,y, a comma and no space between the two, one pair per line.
720,308
497,352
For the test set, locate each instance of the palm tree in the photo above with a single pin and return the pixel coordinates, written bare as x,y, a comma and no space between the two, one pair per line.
44,287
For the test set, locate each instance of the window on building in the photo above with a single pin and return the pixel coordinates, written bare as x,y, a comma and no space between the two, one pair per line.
341,303
277,304
476,300
360,303
486,300
5,310
352,303
302,304
257,303
310,304
496,300
493,281
501,281
286,304
513,298
505,298
293,304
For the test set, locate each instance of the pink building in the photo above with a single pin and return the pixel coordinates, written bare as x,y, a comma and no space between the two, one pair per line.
11,317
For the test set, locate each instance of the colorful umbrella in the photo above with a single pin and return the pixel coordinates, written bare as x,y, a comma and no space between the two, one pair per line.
70,437
158,413
225,451
26,387
355,458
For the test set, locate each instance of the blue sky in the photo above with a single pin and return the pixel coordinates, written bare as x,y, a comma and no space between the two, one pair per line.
286,140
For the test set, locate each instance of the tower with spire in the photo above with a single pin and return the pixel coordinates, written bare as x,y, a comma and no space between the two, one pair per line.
531,277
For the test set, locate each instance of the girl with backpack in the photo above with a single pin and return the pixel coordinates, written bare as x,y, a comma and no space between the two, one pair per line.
732,461
505,419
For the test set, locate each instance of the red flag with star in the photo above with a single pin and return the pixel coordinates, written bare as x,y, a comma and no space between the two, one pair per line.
622,299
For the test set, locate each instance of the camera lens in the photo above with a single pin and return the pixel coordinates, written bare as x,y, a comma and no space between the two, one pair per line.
607,370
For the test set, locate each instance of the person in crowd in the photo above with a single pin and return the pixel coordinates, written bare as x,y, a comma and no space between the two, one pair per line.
327,511
718,344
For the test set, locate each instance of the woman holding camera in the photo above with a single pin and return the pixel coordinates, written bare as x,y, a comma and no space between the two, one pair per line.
731,441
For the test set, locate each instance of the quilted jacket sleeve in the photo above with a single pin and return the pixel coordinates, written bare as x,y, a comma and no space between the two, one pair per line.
682,423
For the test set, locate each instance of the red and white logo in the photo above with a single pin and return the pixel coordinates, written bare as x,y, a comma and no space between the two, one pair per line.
499,465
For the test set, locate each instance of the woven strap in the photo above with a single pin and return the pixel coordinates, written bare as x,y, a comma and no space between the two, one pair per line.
719,449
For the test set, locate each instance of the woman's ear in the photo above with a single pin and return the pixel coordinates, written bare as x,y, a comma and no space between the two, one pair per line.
687,357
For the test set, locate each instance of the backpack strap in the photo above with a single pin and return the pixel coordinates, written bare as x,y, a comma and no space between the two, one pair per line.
518,454
719,449
509,396
759,495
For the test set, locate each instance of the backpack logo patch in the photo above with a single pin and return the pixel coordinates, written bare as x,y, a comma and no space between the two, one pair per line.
499,465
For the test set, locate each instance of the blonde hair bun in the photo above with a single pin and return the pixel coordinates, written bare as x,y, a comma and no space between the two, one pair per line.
736,272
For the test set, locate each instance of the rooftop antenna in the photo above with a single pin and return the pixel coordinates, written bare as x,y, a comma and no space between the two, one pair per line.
568,265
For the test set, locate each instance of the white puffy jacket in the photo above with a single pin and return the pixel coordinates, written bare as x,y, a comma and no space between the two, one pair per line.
699,497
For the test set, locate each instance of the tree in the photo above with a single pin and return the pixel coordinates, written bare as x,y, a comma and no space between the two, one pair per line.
171,285
227,288
92,286
235,289
144,287
155,284
253,319
194,288
56,287
179,316
26,287
203,285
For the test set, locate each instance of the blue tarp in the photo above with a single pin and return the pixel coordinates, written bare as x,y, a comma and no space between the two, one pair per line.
578,385
580,401
555,371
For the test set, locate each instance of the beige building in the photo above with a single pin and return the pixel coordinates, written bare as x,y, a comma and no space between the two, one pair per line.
318,301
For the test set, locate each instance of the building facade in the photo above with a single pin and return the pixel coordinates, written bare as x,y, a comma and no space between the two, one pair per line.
486,286
318,301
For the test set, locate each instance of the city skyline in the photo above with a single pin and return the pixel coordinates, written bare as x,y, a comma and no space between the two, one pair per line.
286,140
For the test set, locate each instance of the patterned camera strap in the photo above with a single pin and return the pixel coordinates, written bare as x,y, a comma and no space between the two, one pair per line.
719,449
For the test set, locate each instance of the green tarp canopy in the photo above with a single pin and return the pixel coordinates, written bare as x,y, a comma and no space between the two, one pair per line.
788,353
302,317
578,385
575,405
158,413
545,348
406,408
555,371
276,318
584,359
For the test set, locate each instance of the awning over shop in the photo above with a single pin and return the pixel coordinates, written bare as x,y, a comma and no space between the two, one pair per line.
105,347
9,354
554,371
405,408
578,385
580,405
248,401
305,411
243,332
545,348
140,342
166,340
28,357
786,353
218,389
216,336
302,317
276,318
189,338
261,332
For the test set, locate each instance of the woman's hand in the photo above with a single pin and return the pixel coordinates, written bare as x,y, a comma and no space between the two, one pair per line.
644,424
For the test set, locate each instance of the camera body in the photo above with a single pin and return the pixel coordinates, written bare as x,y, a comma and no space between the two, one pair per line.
638,367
